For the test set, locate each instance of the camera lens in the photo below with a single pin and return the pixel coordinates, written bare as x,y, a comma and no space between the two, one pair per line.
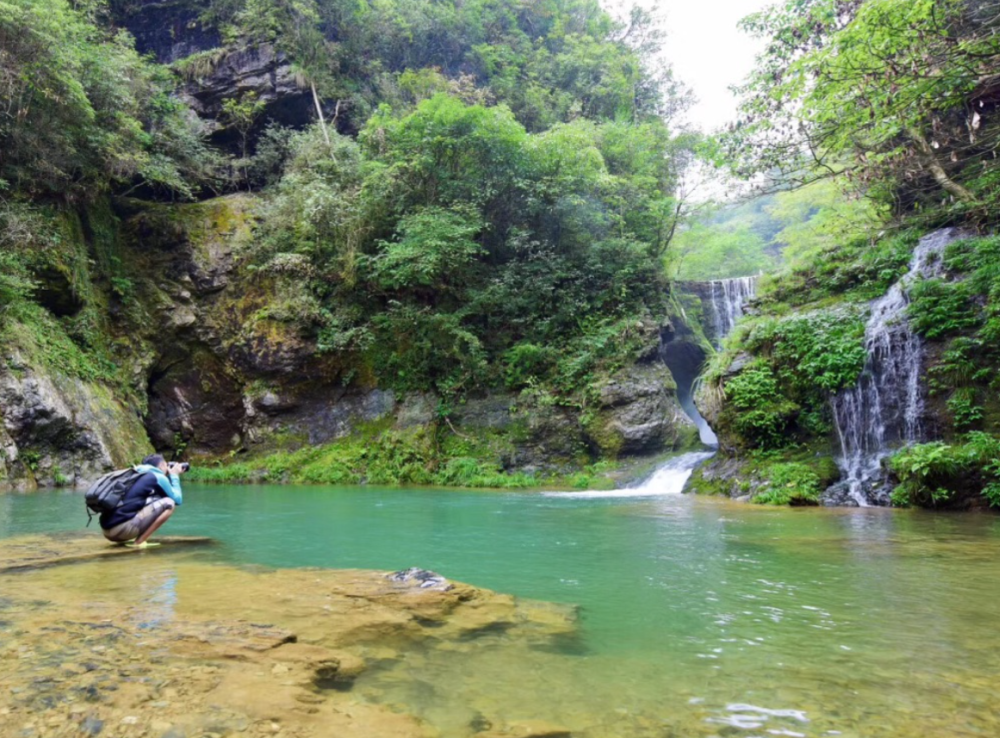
185,466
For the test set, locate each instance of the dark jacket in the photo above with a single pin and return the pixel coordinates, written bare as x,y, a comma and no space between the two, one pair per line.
145,487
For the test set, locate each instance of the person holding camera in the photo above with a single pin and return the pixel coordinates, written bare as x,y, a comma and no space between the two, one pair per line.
147,504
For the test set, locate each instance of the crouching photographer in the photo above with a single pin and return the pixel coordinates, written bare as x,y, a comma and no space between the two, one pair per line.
146,504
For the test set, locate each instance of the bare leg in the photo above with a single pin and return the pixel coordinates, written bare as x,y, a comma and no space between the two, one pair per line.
164,516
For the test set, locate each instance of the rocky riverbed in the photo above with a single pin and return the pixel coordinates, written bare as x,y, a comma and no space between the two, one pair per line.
99,640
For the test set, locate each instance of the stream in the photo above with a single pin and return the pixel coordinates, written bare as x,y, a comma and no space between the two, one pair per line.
696,617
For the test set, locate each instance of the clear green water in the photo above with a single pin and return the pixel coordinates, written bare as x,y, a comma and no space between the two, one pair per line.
698,617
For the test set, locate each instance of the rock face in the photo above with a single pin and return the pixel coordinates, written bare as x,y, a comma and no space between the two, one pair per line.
61,431
174,32
233,73
218,372
231,378
168,31
639,412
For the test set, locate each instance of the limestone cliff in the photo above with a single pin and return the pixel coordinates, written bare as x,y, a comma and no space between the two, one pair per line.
185,356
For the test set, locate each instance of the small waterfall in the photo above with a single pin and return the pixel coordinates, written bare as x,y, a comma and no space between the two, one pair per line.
724,300
884,410
728,298
668,479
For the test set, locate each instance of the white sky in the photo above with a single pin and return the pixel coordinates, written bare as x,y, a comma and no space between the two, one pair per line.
708,52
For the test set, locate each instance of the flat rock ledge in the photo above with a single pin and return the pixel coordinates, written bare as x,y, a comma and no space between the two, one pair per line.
41,551
100,640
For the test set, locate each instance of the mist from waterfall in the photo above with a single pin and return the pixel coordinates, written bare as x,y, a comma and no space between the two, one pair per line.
884,410
728,297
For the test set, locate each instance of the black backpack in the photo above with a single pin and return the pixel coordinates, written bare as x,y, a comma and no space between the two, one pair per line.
106,494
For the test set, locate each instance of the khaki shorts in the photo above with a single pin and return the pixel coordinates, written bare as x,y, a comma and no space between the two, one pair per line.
140,523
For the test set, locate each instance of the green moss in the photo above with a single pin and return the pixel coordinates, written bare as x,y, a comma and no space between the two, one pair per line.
44,341
796,476
602,432
424,455
701,484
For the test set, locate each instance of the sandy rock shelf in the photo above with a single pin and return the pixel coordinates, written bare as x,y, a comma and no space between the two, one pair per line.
20,554
102,640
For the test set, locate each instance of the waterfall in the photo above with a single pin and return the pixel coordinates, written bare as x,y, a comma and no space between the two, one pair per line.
885,409
667,479
728,297
722,301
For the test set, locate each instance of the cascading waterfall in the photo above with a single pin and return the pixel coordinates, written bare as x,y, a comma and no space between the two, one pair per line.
685,359
725,299
884,410
728,298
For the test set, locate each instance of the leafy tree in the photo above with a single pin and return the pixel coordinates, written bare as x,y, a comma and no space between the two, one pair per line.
449,235
789,228
550,62
891,93
432,254
79,108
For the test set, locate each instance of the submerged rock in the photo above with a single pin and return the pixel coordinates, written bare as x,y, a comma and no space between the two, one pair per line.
169,656
528,729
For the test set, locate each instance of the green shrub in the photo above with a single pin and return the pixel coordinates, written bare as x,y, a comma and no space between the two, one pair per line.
938,308
934,473
526,363
790,483
965,412
761,412
820,349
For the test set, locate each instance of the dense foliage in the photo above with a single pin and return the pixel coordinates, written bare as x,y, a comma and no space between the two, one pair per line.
937,474
549,62
80,109
897,95
961,315
495,215
451,249
782,397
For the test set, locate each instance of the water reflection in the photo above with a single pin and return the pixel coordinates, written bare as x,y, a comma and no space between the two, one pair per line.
156,598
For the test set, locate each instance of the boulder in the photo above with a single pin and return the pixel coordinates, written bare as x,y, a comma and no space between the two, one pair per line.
639,412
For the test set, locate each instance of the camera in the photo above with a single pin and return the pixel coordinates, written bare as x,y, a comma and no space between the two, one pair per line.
182,464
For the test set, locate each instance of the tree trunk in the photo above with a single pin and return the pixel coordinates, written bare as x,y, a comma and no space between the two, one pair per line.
937,171
663,242
319,112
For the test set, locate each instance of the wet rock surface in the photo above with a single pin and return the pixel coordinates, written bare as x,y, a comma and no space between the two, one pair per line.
639,411
150,644
60,431
261,70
